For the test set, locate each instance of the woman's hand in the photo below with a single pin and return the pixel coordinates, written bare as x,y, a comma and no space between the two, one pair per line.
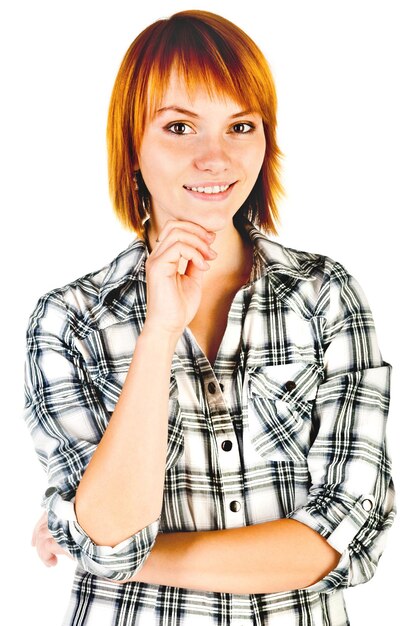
45,544
173,298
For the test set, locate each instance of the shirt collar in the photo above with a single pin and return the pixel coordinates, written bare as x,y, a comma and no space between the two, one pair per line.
273,258
127,267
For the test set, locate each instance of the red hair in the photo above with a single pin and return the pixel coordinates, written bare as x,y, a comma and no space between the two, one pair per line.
206,50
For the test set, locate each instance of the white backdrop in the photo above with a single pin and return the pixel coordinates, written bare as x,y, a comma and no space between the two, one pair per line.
346,75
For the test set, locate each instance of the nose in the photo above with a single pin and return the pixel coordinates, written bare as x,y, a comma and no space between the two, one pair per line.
213,155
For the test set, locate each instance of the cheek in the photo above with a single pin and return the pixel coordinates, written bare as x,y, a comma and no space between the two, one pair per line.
160,159
153,166
255,157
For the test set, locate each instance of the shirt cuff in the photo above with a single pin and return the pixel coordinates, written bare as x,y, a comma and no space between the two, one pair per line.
339,531
119,562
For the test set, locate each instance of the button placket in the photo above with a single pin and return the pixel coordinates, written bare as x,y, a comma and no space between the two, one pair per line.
228,450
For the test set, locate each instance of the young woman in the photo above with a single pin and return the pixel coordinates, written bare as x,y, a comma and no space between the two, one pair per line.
211,406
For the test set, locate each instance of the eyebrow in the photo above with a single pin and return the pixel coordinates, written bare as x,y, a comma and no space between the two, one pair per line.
192,114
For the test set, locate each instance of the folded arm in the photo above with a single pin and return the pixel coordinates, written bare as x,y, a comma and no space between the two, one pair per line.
264,558
94,457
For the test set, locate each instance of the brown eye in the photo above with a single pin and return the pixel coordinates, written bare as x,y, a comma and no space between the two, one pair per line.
240,128
179,128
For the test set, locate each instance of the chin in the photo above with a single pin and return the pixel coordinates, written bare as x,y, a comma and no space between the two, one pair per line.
215,221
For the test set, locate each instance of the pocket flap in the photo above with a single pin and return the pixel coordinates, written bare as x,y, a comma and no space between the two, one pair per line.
288,381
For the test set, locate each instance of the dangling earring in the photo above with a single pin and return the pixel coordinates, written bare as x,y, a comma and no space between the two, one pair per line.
143,196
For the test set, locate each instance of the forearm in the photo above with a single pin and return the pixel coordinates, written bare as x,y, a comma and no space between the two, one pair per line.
122,488
264,558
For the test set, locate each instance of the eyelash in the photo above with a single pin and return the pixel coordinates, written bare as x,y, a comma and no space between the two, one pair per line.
248,132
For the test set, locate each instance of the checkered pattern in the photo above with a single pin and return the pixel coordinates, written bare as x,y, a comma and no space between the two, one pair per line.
298,387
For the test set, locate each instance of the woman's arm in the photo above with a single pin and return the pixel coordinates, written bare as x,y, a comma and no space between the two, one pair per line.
131,456
121,490
263,558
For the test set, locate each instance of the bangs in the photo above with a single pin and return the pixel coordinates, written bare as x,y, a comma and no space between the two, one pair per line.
202,58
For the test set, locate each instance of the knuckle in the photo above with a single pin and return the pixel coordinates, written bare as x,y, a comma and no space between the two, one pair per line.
177,233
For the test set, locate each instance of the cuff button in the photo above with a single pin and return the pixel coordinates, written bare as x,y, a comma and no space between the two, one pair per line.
367,504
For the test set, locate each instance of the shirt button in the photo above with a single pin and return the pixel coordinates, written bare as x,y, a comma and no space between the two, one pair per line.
222,386
211,387
290,385
50,491
367,504
227,445
235,506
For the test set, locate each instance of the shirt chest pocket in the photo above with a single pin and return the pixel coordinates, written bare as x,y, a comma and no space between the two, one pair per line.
279,410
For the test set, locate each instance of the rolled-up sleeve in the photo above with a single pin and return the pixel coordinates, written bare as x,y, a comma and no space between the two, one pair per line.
351,498
66,420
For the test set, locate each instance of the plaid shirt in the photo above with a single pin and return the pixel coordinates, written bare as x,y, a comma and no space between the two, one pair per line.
289,422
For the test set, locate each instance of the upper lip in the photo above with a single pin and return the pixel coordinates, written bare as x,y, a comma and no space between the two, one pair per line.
215,184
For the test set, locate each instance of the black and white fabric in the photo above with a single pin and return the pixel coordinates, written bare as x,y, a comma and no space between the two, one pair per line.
289,422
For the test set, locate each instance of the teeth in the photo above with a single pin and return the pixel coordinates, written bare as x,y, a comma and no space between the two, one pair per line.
215,189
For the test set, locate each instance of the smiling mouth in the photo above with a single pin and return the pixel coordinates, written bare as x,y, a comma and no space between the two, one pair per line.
210,190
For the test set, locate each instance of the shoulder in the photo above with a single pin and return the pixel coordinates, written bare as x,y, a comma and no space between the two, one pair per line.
323,269
83,301
335,293
285,260
312,283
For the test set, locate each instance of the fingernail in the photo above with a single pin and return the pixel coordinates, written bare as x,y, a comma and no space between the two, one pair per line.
211,235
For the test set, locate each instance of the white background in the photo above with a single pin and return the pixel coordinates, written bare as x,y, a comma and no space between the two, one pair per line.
347,80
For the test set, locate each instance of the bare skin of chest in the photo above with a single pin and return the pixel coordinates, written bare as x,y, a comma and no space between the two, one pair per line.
209,324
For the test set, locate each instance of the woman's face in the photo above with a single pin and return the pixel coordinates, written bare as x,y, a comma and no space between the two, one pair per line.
192,150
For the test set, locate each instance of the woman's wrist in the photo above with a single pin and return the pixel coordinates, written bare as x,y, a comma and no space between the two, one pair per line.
156,333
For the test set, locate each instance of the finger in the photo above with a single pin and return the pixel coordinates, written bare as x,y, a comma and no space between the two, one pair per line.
186,225
192,239
44,553
50,561
47,549
173,254
43,534
48,552
39,524
192,227
195,273
54,548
